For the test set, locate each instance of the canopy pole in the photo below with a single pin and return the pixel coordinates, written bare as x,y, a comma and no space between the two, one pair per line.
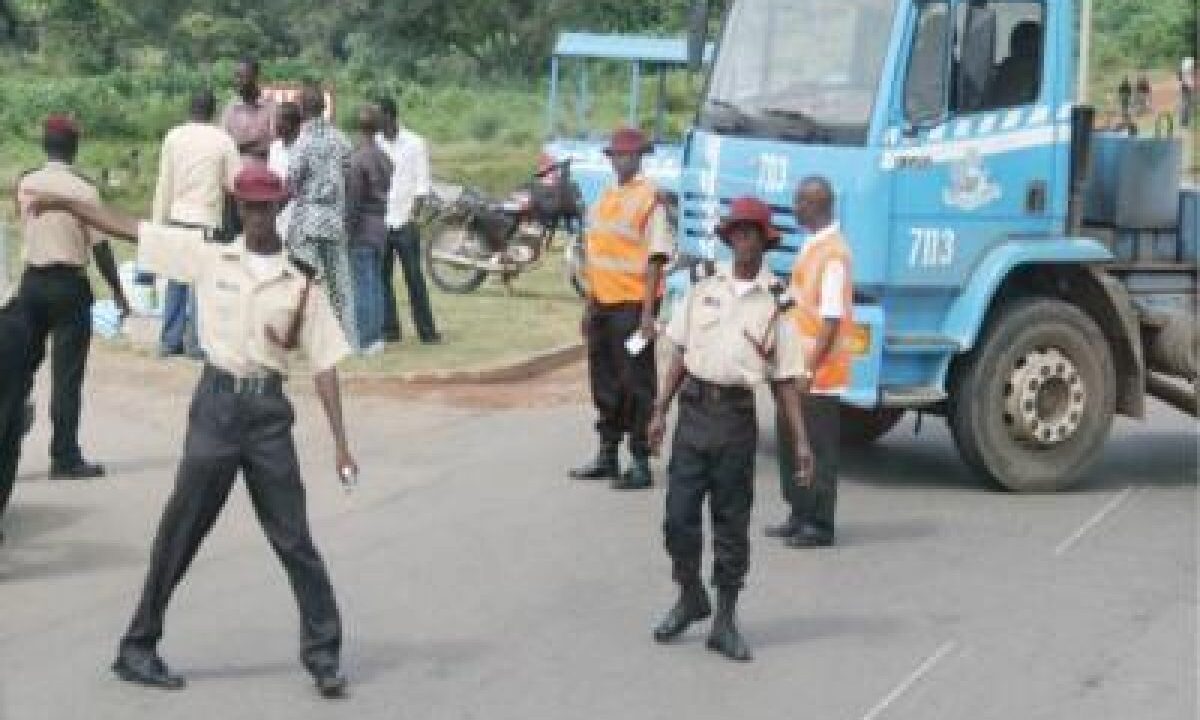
660,119
552,105
635,92
1085,52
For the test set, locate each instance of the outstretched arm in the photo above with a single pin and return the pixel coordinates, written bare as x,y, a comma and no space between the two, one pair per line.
787,396
98,217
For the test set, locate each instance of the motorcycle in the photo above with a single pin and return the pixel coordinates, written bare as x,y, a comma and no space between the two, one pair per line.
473,236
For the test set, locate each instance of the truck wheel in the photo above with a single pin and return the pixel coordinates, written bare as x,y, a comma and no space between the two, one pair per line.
863,427
1031,407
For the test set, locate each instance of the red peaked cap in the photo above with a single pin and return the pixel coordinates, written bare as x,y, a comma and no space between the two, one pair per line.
749,210
256,183
61,124
628,141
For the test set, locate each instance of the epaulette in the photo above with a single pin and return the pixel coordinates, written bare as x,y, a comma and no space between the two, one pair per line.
81,175
703,270
783,299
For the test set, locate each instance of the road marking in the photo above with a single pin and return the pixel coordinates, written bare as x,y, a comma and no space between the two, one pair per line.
911,680
1095,520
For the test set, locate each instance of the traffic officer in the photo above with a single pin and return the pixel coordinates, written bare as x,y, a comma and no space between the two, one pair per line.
56,294
627,243
258,308
728,335
823,316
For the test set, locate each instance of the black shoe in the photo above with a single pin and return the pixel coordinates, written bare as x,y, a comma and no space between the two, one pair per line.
785,529
637,477
167,352
693,605
809,536
434,339
331,685
724,637
604,465
79,470
145,667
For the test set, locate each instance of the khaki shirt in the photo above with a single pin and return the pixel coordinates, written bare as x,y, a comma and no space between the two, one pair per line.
56,238
197,165
711,326
237,306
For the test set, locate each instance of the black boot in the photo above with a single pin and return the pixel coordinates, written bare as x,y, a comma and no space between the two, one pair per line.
724,637
604,465
693,605
637,477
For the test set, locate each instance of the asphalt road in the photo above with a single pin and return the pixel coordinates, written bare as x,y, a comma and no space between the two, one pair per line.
477,581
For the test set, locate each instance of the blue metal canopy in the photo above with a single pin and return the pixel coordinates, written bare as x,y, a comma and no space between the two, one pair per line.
667,51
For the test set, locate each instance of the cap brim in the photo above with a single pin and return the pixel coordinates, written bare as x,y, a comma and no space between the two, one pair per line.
726,226
265,196
646,149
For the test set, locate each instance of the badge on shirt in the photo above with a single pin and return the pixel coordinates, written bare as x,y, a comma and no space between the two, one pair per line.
710,301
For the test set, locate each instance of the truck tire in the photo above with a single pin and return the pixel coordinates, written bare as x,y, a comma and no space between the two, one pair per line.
862,427
1032,405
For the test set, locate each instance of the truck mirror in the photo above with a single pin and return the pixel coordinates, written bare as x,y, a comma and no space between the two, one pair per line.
697,34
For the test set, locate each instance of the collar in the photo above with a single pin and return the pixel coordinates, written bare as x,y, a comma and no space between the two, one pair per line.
258,102
59,165
761,282
830,229
280,267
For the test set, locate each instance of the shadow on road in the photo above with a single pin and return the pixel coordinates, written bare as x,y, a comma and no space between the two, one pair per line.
807,628
31,562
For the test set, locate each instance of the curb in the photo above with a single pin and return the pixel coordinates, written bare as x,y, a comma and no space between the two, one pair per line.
524,369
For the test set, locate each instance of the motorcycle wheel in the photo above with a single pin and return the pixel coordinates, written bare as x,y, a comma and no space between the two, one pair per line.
573,259
459,240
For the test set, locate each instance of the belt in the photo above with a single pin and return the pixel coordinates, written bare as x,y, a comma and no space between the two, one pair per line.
217,381
56,269
703,391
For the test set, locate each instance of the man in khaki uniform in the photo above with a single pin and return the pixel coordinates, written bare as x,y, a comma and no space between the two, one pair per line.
259,308
196,169
728,335
56,294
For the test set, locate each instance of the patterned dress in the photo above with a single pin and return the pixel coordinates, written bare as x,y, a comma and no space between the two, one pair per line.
317,167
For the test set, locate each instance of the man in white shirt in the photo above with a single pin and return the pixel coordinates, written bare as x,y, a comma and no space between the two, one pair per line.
287,127
197,166
411,184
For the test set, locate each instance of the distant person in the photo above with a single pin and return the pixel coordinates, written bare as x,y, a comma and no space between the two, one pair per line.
317,168
411,184
823,318
197,166
628,242
366,224
250,121
1142,95
56,294
1125,98
250,117
287,129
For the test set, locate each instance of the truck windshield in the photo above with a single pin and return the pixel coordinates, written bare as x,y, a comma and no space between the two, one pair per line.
799,70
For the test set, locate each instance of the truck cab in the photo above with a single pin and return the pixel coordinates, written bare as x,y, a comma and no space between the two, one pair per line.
949,131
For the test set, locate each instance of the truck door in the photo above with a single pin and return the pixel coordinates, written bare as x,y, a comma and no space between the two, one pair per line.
971,145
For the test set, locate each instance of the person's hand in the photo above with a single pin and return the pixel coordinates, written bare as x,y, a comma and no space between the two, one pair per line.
346,462
123,305
804,465
657,430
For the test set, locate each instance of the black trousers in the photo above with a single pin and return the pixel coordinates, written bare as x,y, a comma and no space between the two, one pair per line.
14,384
623,386
814,505
405,243
712,454
58,304
227,433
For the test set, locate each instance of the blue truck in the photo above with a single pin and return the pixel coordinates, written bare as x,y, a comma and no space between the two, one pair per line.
1016,272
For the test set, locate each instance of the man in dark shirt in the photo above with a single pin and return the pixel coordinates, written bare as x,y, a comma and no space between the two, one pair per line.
367,186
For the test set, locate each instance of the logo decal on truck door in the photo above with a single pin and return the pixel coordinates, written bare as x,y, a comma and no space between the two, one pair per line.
970,185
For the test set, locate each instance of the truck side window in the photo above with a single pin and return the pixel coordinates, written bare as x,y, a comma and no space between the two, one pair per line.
997,55
925,84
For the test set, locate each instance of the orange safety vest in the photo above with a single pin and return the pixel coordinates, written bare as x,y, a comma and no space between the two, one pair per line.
617,249
834,374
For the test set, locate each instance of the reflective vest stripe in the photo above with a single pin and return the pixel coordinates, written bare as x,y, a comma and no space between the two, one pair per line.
617,249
